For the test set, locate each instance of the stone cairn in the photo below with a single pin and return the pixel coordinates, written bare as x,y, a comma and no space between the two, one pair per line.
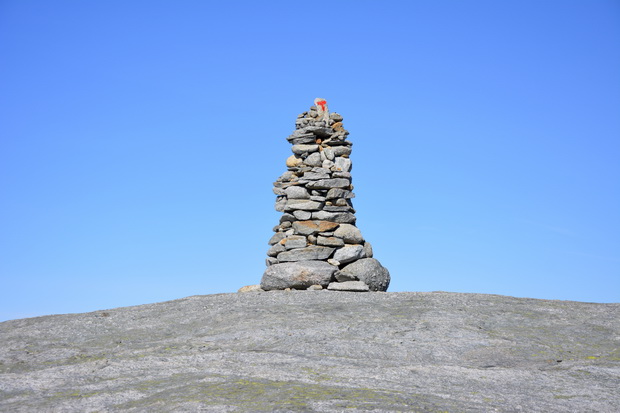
317,245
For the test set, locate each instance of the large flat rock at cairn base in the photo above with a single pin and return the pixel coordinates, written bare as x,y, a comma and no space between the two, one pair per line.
299,275
318,351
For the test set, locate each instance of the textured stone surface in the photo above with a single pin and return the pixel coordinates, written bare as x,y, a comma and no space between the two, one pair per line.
317,351
296,192
370,271
312,252
342,164
294,241
358,286
302,215
329,183
340,217
349,233
293,161
349,253
300,149
314,159
299,275
303,204
330,241
313,227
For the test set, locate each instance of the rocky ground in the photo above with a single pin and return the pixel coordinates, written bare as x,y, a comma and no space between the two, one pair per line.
318,351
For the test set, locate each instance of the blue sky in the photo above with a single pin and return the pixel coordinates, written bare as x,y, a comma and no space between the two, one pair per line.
139,141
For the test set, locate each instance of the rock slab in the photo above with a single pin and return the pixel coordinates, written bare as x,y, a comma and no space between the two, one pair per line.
317,351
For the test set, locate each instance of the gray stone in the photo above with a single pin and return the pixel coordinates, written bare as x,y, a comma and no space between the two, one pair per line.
302,215
295,241
340,217
285,177
278,191
349,233
303,204
270,261
300,134
314,159
286,217
250,289
305,140
316,174
301,149
356,286
317,198
280,204
335,208
275,250
335,193
327,164
312,252
329,183
371,272
341,150
348,253
277,237
315,287
329,241
296,192
313,227
340,174
340,277
342,164
329,153
368,249
334,262
298,275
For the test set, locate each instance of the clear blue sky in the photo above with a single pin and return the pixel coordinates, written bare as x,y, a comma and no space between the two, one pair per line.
139,141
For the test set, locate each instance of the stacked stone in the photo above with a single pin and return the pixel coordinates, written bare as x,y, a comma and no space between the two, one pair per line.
316,244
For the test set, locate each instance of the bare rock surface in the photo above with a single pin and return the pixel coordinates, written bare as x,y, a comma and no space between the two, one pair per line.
320,351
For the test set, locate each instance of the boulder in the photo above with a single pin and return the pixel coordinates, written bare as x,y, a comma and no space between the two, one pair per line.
370,271
299,275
